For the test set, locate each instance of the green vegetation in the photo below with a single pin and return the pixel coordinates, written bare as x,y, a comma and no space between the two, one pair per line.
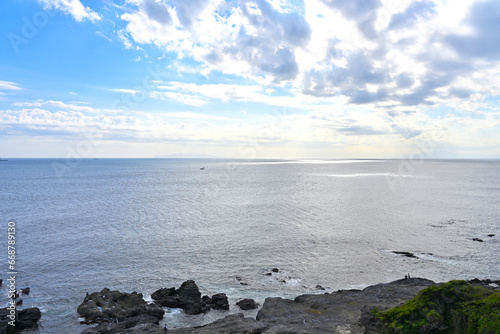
455,307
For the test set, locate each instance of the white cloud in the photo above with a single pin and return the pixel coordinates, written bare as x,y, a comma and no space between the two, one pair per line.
125,91
56,104
347,128
183,98
74,8
8,85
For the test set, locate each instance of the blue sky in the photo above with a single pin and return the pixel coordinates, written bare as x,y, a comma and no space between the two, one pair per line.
250,79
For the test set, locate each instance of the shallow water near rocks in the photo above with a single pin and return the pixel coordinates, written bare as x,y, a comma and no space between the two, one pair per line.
143,224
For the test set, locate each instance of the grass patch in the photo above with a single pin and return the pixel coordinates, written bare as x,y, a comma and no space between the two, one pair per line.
455,307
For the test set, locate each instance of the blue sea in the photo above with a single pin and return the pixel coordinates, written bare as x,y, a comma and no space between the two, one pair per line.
143,224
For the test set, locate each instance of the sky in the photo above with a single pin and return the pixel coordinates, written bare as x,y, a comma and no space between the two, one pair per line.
250,79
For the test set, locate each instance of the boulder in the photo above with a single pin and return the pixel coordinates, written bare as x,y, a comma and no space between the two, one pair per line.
120,327
26,291
247,304
235,323
27,318
116,306
219,302
187,297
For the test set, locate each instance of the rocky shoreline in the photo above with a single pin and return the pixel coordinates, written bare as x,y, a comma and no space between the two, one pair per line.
343,311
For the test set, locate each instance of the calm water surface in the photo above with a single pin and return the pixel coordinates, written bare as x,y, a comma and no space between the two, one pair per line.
143,224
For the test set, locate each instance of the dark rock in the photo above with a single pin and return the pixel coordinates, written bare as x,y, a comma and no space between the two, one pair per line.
112,306
25,291
240,280
219,302
319,287
161,294
206,300
370,321
275,270
489,235
407,254
337,312
187,297
477,239
1,280
120,327
231,324
487,283
247,304
19,302
268,274
27,318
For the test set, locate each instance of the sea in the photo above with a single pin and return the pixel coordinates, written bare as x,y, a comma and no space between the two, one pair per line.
144,224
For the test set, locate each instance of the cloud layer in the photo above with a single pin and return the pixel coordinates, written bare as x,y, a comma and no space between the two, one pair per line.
377,71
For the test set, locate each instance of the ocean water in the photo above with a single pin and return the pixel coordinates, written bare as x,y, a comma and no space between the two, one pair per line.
143,224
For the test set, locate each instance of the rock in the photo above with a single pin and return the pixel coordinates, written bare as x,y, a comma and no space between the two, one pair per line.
235,323
345,311
27,318
485,283
166,297
1,280
163,293
319,287
247,304
340,311
219,302
19,302
187,297
275,270
477,239
407,254
240,280
489,235
112,306
26,291
206,300
120,327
